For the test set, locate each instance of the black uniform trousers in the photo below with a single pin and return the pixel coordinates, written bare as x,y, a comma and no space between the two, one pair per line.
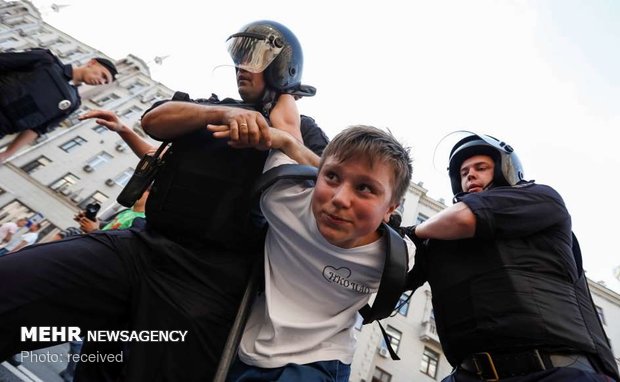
558,374
127,279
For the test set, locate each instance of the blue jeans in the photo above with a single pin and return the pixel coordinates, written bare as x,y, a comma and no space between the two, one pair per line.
322,371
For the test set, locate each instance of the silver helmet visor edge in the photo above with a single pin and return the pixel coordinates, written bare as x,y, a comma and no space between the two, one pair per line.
253,52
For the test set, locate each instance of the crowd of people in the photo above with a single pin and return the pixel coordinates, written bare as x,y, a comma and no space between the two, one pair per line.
502,262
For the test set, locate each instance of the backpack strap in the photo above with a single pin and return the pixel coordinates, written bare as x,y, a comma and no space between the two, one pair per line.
285,171
394,275
392,284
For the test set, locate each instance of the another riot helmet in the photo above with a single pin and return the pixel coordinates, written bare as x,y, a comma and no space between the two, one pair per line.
508,170
270,47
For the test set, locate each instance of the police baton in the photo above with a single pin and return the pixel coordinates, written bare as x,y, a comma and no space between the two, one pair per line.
234,337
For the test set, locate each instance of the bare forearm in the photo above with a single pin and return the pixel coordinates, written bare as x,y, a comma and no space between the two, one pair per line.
138,145
455,222
24,138
174,119
295,150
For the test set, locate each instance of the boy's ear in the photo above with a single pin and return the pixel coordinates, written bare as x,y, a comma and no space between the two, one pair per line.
386,217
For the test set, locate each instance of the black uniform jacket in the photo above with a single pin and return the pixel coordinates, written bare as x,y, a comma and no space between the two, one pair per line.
35,91
515,285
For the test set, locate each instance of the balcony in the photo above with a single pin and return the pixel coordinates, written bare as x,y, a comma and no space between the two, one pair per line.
428,332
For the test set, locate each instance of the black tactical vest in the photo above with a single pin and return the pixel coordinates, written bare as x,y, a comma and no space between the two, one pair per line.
483,301
202,194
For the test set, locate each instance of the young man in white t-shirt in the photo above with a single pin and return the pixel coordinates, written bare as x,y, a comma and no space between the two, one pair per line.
324,256
24,240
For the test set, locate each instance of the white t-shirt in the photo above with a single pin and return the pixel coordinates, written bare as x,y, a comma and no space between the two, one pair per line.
313,289
6,228
28,237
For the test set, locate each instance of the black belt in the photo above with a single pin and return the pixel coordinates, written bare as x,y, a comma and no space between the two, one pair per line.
494,366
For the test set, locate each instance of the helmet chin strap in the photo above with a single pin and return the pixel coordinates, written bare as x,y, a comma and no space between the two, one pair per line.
489,185
460,195
270,96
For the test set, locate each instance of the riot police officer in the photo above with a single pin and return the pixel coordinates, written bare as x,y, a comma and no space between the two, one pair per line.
510,297
187,270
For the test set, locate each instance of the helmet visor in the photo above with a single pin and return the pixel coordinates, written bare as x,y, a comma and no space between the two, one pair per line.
443,150
253,52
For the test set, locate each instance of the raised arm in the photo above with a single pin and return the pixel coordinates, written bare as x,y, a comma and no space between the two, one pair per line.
454,222
110,120
174,119
285,116
285,134
22,139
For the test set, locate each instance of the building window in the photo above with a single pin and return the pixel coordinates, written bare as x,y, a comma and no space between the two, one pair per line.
75,53
136,86
430,360
381,375
97,161
601,315
394,337
421,219
36,164
96,197
72,144
131,113
105,99
403,303
64,184
99,129
122,178
15,210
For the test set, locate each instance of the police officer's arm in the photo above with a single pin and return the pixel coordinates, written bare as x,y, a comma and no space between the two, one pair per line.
110,120
454,222
285,116
24,138
24,61
174,119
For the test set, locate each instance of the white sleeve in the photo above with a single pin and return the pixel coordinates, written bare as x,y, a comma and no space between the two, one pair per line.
277,158
411,248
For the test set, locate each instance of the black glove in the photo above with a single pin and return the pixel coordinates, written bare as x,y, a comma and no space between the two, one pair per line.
417,276
410,231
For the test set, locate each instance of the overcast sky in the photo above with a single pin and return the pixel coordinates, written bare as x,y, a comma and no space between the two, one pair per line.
541,75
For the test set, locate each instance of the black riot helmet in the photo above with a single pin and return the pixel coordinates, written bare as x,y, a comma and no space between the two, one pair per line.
508,169
270,47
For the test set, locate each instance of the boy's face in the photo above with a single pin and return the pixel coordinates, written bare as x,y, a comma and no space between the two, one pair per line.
351,199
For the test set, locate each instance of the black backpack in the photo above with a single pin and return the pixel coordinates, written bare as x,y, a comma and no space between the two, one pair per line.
394,275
